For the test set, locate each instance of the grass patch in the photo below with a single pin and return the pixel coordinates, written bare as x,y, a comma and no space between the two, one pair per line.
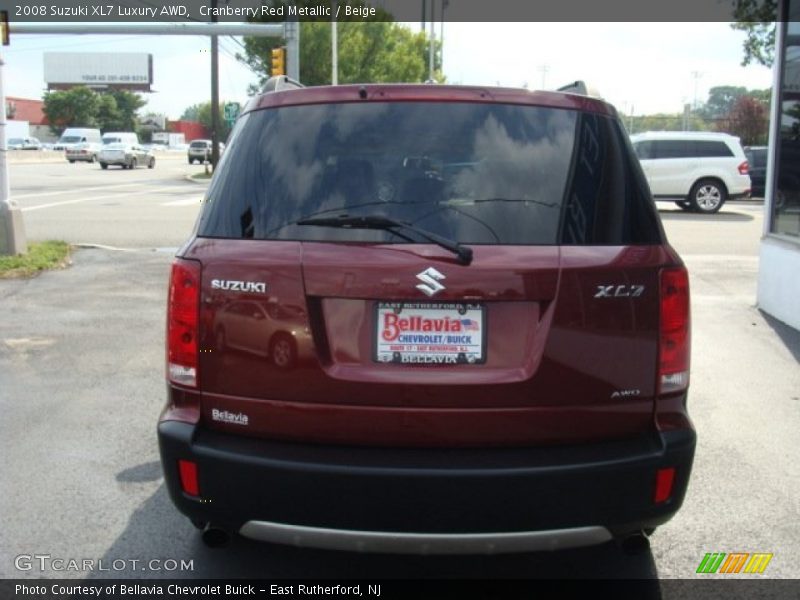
201,176
40,257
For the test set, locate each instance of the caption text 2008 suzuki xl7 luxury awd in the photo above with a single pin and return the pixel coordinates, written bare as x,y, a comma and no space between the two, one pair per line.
423,318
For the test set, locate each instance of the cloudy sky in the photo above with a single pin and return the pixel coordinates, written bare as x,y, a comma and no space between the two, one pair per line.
650,67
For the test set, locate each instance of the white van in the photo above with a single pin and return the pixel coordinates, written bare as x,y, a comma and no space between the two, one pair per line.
699,170
121,137
73,136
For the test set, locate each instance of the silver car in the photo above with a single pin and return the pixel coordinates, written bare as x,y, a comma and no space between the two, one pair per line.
127,156
28,143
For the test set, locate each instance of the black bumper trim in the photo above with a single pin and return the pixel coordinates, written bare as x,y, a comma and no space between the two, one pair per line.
434,491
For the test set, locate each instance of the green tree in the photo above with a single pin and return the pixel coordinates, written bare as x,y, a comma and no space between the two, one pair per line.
667,122
128,105
371,50
76,107
107,112
721,99
191,113
757,19
114,110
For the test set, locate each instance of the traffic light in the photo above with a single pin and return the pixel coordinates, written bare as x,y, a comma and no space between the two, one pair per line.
278,61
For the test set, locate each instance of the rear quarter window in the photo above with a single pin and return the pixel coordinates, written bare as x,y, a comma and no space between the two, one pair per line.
609,201
710,149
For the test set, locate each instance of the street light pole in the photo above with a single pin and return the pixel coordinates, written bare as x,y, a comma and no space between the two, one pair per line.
432,41
12,231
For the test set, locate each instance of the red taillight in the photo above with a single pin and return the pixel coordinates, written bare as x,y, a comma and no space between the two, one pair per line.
664,480
188,473
744,168
674,340
183,318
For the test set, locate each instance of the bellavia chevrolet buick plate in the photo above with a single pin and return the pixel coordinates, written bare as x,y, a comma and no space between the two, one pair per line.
422,318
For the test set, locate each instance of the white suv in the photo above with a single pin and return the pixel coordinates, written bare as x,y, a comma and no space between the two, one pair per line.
700,170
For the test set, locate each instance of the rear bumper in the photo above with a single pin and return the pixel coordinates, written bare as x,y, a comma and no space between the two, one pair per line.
418,500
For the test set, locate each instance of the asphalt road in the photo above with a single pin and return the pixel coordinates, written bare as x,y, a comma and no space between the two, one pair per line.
81,386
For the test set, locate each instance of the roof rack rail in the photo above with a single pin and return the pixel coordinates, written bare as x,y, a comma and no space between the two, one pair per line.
579,87
280,83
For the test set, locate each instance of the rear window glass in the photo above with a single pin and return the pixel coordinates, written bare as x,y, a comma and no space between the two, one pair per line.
198,144
474,173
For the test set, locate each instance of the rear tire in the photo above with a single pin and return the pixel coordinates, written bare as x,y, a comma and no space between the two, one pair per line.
151,163
707,196
104,166
72,162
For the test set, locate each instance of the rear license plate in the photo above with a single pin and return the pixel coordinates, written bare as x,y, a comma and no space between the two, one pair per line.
427,333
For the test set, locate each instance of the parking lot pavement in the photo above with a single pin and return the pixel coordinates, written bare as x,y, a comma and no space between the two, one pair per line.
82,372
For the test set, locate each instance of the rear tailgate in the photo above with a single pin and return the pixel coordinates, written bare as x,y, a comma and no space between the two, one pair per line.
568,342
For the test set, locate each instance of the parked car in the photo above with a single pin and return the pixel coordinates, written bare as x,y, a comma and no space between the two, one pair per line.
698,170
127,156
200,151
83,152
27,143
498,329
757,159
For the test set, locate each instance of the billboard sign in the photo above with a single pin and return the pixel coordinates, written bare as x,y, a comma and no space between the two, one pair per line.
123,70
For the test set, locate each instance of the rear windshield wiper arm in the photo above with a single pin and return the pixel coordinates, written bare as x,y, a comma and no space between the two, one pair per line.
463,253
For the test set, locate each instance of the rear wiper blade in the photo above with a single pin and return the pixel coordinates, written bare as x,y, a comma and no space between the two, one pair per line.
463,253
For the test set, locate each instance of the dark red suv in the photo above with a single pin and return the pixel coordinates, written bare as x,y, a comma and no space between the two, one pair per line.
423,318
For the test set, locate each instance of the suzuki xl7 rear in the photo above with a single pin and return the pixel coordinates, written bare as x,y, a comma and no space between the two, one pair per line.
422,318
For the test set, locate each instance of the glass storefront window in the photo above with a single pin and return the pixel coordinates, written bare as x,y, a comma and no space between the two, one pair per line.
786,201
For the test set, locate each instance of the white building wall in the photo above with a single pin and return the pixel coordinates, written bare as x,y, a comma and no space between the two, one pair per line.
779,256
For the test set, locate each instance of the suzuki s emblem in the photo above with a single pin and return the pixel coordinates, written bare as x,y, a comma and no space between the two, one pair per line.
430,278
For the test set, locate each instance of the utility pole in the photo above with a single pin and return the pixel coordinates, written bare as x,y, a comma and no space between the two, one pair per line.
214,93
432,50
292,37
630,129
334,48
543,69
445,4
697,75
